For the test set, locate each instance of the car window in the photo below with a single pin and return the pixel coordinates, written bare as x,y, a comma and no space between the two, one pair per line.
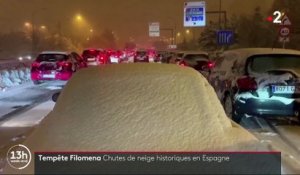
90,53
264,63
141,53
195,57
51,57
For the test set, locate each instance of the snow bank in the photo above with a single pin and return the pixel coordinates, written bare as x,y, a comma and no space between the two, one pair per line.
13,74
139,107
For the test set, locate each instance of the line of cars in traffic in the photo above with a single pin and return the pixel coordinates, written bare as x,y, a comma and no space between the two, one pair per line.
261,82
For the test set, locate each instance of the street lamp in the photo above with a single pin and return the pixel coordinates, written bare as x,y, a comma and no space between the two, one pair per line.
78,18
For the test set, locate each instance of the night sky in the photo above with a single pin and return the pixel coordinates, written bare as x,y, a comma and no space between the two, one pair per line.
128,18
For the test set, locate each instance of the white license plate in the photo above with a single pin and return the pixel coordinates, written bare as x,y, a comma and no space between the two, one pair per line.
49,76
283,89
114,60
94,63
91,59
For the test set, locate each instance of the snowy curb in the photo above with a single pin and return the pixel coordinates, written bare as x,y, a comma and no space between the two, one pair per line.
13,73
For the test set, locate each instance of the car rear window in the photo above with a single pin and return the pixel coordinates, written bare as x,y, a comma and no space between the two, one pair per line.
264,63
180,55
90,53
195,57
141,53
52,57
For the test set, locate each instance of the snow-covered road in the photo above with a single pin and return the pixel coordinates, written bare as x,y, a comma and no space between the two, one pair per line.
23,98
283,136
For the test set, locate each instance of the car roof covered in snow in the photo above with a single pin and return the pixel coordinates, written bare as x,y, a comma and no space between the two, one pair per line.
139,107
241,55
247,52
55,52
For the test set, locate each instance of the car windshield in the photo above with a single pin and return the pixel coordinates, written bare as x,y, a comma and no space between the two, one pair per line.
264,63
51,57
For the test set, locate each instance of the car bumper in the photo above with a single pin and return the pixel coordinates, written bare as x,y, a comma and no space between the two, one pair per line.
94,63
40,76
268,107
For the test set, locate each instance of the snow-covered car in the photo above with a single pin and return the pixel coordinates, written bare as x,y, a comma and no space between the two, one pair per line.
197,60
262,82
175,57
138,107
55,65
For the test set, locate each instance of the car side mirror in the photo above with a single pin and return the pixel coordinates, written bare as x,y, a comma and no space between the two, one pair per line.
55,96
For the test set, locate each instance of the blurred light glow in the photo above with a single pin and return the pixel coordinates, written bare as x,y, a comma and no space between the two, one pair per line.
20,58
79,17
27,24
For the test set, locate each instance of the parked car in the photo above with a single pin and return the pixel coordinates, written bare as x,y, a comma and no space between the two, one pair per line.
176,57
197,60
258,82
54,65
95,57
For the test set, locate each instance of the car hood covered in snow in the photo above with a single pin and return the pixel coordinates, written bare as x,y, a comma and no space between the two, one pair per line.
139,107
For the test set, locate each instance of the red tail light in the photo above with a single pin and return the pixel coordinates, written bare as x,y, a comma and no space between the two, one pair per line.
35,64
246,83
210,65
182,64
65,65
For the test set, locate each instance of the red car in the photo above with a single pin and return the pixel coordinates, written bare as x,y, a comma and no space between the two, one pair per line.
95,57
50,66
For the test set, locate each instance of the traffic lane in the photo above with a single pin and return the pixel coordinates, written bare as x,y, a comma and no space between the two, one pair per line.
281,135
13,135
291,132
27,96
10,136
17,129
